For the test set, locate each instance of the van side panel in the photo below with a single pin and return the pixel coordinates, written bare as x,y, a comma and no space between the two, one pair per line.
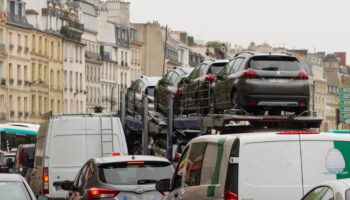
331,162
67,152
270,170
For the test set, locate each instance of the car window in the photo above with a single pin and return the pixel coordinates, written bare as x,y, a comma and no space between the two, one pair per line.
89,175
140,86
150,91
174,78
180,169
135,173
194,164
319,193
209,165
166,78
203,70
28,159
276,63
135,84
216,68
227,69
236,65
80,177
13,190
196,72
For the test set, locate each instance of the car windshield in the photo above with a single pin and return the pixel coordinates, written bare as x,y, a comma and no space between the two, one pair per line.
275,63
150,91
216,68
4,158
136,173
13,191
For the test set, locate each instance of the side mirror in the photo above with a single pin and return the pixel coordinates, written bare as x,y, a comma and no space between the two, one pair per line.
163,185
67,185
41,197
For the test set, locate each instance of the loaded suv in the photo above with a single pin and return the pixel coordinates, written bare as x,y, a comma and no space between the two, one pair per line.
170,85
195,93
260,82
141,88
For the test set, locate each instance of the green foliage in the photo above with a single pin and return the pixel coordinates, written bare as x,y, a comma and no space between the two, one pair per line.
216,44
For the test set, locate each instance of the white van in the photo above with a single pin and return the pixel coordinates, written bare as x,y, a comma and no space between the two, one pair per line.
66,142
253,166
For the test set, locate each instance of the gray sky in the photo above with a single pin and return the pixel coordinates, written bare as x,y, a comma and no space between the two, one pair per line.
313,24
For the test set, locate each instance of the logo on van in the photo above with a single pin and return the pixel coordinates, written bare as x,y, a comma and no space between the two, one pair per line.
335,162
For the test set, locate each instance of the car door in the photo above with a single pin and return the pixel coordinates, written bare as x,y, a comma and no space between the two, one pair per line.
229,83
219,86
161,90
188,94
78,192
130,97
177,180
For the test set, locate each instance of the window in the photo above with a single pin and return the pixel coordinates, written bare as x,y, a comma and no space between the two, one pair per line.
46,106
180,170
236,65
33,42
40,105
58,80
10,71
33,71
194,164
320,193
79,180
52,105
33,104
274,63
65,78
10,38
25,104
40,44
58,106
71,79
25,73
174,78
19,39
51,78
40,73
19,74
19,104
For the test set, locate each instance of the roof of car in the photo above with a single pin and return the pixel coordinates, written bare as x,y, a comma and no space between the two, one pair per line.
113,159
10,178
151,80
221,61
256,53
270,136
187,70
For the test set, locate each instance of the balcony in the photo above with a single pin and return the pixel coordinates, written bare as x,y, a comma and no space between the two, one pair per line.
92,55
69,34
106,56
19,82
76,26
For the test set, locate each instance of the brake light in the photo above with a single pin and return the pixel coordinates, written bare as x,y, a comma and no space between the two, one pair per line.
230,195
303,75
20,161
179,90
46,180
253,102
249,73
100,193
298,132
116,153
136,163
210,78
302,103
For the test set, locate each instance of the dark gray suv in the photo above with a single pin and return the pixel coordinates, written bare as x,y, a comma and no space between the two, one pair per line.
260,82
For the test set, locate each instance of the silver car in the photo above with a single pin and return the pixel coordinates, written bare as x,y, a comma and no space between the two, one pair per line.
13,186
119,177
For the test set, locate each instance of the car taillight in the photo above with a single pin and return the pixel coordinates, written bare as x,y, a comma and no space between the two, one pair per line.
249,73
302,75
253,102
100,193
210,78
46,180
302,103
20,161
298,132
230,195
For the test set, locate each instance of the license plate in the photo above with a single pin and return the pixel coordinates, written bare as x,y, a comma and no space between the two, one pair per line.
277,80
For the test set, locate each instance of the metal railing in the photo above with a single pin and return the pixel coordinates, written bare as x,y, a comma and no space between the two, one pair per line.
196,101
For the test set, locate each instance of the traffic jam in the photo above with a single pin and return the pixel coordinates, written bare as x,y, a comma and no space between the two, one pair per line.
264,149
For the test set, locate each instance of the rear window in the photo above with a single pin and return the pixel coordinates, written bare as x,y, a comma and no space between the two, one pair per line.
150,91
13,190
274,63
216,68
134,174
28,159
4,158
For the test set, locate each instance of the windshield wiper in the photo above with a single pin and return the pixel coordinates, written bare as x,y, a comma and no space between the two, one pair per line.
146,181
270,68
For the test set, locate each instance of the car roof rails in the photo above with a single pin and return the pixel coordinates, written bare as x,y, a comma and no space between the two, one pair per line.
246,52
286,53
207,59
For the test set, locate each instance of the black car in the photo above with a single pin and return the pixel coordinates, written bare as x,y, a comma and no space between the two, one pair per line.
260,82
170,85
195,93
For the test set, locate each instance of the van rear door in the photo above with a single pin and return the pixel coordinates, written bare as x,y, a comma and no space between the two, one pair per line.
270,168
325,156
